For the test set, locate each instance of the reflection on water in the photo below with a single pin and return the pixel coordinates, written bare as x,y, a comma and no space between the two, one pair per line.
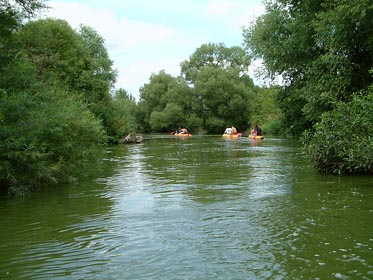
196,208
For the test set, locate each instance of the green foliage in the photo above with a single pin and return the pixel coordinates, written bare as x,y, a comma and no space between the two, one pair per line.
52,46
222,90
166,103
78,60
24,8
265,110
342,142
12,13
223,96
122,120
215,124
43,137
217,56
55,96
98,76
214,91
194,123
291,103
322,49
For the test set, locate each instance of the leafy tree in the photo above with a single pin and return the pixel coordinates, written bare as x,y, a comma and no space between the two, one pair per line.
152,97
217,56
181,107
44,136
49,79
13,12
322,49
166,103
53,47
224,99
98,77
78,60
213,92
221,86
342,141
266,111
22,8
122,115
11,15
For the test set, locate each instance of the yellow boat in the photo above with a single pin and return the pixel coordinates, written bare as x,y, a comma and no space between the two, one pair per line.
256,137
183,134
232,136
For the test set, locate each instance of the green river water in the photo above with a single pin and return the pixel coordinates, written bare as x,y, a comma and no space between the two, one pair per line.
197,208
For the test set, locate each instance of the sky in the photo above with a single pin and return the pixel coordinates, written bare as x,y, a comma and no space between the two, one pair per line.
144,37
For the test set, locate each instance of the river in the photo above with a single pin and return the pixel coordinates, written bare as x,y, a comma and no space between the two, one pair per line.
204,207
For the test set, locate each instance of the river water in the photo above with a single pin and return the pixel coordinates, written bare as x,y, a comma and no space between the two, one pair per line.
197,208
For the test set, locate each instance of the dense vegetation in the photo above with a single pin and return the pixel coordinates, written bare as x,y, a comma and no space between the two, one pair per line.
56,98
343,140
58,101
323,51
214,91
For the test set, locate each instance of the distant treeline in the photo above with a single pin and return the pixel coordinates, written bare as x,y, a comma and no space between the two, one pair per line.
58,101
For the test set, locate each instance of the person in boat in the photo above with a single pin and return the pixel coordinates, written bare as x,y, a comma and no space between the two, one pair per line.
228,130
234,130
257,131
182,131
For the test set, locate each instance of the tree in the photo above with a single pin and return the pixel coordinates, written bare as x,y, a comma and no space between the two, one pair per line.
45,134
78,60
224,98
98,77
165,103
266,111
342,141
13,12
217,56
47,128
322,49
11,15
221,86
123,115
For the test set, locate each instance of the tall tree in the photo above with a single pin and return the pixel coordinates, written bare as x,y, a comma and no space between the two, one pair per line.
165,103
322,49
11,15
78,59
99,75
122,116
45,131
221,85
217,56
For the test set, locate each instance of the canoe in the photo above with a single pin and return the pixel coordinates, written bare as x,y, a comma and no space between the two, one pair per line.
256,137
232,136
183,134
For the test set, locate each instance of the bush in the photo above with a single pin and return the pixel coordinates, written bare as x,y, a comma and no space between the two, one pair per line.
215,125
43,138
343,141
